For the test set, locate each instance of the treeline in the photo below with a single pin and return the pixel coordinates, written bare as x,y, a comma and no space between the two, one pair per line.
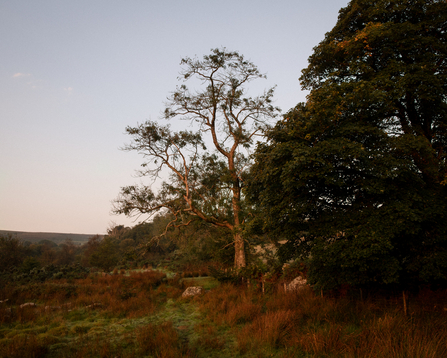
146,244
58,238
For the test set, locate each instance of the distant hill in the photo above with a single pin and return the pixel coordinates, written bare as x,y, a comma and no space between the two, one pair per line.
57,238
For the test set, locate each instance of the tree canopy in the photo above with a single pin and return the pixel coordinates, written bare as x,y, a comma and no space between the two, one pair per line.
355,178
204,185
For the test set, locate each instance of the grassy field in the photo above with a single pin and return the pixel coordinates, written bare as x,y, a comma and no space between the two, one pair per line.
142,314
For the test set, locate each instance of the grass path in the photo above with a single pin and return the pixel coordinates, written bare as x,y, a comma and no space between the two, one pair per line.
196,331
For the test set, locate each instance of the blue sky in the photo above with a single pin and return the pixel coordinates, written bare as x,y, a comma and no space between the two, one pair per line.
74,74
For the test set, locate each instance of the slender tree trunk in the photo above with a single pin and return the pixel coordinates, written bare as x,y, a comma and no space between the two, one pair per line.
239,254
239,251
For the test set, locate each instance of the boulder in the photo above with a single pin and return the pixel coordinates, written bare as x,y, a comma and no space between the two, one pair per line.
192,291
297,284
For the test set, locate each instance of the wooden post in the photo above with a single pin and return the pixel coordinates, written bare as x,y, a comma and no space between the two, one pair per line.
405,303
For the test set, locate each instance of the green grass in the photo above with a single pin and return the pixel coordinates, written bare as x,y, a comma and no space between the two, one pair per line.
206,282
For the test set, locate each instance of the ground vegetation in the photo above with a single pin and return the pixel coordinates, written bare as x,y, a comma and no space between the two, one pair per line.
140,313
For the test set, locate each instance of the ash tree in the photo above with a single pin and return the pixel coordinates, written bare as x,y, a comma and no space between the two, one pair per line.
203,184
355,177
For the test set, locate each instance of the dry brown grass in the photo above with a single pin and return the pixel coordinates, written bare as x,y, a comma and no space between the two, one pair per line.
313,326
195,269
65,311
231,305
169,291
128,296
161,341
24,346
239,321
269,329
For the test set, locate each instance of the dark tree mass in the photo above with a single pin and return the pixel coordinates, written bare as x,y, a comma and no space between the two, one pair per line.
355,178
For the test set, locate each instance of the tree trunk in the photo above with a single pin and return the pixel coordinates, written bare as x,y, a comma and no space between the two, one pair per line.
239,252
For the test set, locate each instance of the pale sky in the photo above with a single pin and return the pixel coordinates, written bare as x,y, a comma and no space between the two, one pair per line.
74,74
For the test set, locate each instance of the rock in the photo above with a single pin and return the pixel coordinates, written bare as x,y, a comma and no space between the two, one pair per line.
93,305
192,291
28,304
296,285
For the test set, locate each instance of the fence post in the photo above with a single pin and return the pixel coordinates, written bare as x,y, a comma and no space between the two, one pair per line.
405,302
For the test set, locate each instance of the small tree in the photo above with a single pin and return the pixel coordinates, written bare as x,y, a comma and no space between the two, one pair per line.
67,253
12,252
107,254
202,185
89,248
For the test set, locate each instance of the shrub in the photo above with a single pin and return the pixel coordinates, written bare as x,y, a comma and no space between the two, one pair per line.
23,346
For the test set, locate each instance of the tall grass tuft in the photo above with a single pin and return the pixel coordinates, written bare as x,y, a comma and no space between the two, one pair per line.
160,340
269,329
231,305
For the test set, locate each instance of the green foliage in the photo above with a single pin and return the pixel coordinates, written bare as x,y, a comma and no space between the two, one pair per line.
12,252
225,275
355,179
201,242
30,263
67,251
257,274
41,274
106,256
